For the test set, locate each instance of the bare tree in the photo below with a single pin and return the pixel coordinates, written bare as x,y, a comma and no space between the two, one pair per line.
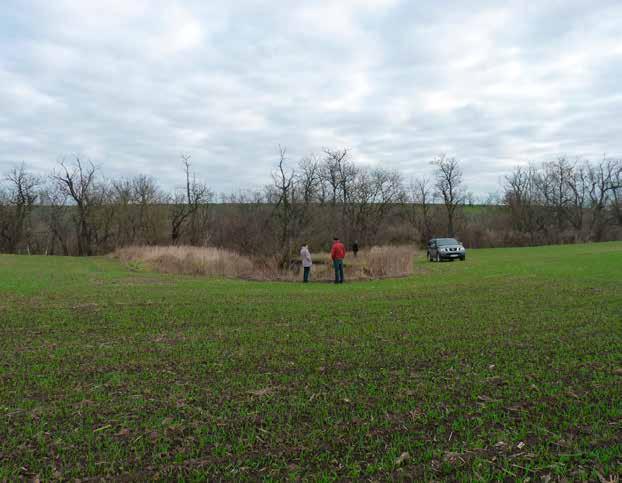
332,173
373,194
577,181
19,200
603,183
189,212
283,184
522,196
56,218
148,199
308,179
341,174
359,219
449,187
78,184
553,184
421,200
125,224
306,194
243,223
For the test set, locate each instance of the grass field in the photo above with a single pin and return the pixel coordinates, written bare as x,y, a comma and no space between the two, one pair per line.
508,365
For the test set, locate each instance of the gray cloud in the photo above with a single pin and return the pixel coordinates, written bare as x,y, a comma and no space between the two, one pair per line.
131,85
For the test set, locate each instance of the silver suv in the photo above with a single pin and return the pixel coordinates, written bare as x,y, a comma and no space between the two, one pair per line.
445,249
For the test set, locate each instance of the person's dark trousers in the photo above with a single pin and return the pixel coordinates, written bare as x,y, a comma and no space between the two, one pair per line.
307,270
338,264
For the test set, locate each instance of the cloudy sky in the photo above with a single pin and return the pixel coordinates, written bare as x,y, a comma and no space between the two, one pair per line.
132,84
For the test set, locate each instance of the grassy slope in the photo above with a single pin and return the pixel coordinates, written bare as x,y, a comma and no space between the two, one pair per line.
107,372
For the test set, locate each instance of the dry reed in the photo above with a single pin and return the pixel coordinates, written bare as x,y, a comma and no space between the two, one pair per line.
377,262
207,261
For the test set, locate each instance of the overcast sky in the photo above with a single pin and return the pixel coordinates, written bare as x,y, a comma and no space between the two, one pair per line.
132,84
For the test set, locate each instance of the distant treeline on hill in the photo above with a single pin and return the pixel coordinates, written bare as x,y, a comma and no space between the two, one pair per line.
77,211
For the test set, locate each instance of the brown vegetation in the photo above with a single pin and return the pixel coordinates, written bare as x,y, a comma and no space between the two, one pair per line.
377,262
189,260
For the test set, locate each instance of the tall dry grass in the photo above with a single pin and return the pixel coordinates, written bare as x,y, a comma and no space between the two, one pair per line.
188,260
376,262
387,261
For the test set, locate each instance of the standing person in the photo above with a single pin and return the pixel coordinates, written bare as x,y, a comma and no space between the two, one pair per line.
305,255
355,248
338,253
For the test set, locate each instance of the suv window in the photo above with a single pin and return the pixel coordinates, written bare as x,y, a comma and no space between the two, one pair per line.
447,241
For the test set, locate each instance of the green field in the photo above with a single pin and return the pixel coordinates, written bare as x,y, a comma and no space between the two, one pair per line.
508,365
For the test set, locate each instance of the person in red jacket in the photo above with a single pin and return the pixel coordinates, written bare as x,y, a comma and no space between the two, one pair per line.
338,253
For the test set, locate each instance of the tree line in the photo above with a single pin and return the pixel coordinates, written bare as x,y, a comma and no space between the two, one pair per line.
76,210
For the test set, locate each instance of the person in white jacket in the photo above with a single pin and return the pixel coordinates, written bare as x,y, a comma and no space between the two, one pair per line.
305,255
